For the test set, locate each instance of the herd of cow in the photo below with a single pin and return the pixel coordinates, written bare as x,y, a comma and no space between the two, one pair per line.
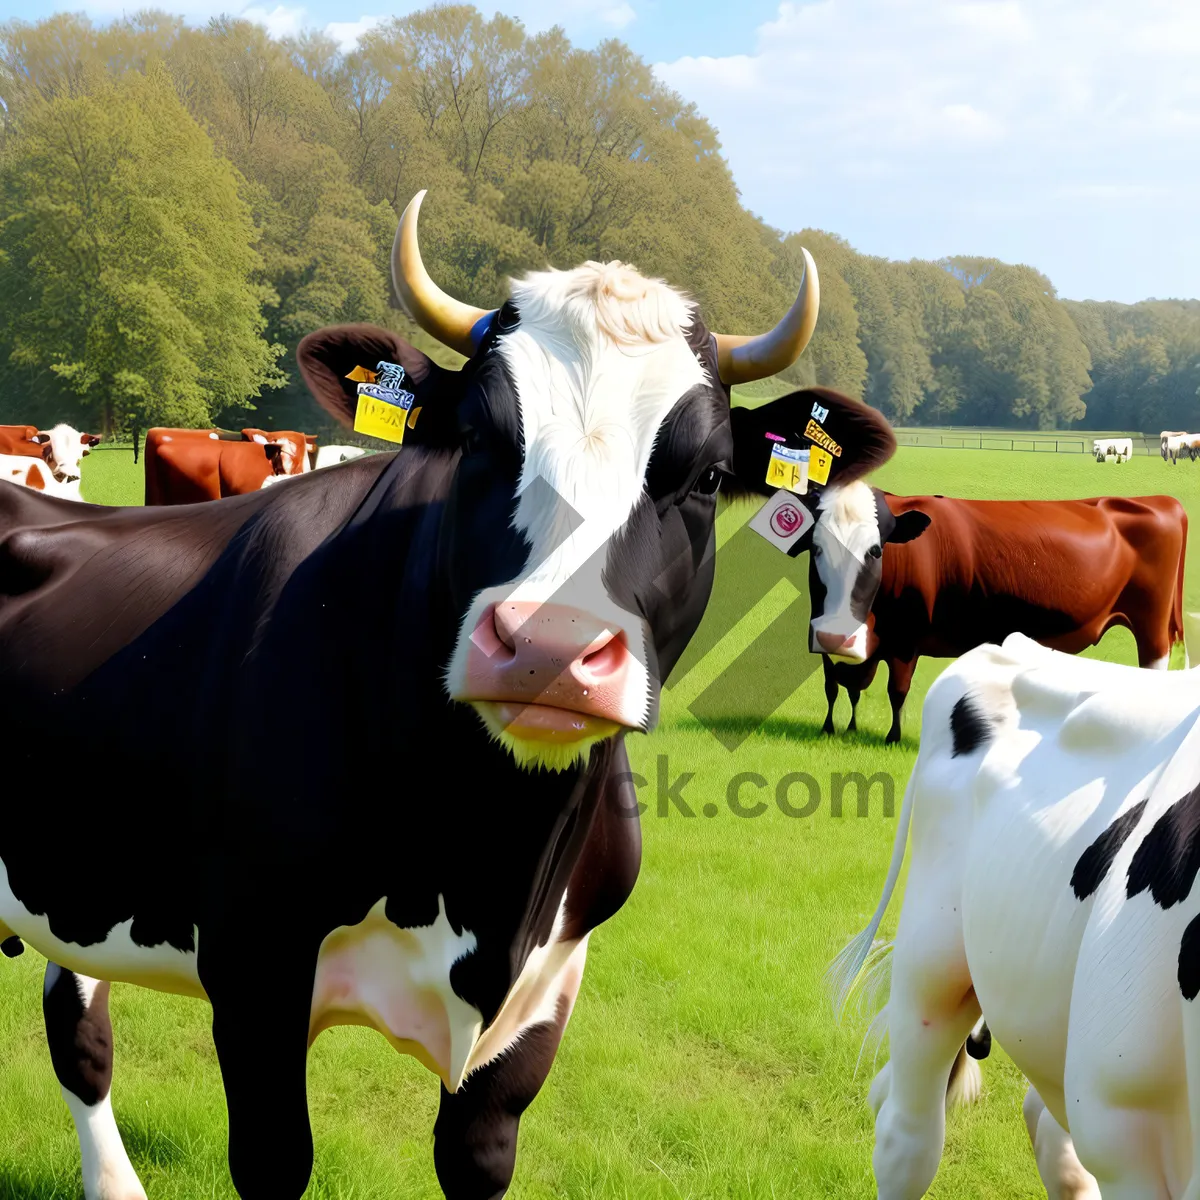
409,677
183,466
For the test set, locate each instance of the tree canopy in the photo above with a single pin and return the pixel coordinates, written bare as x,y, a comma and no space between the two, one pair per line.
181,205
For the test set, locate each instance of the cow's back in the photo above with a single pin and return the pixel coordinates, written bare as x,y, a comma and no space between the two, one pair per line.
1055,570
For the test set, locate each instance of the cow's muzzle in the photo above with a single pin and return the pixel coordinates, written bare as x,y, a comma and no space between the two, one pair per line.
551,674
851,647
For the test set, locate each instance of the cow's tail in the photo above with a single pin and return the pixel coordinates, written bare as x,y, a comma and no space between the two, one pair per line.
868,960
1178,618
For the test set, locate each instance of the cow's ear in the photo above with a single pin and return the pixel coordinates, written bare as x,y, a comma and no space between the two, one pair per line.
909,526
88,439
327,356
857,436
47,452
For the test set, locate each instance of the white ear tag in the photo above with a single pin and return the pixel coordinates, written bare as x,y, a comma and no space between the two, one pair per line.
783,520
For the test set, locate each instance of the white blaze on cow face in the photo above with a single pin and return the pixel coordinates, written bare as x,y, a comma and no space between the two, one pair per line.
598,361
67,451
846,549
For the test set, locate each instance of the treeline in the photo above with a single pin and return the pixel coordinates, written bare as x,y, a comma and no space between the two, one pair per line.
179,206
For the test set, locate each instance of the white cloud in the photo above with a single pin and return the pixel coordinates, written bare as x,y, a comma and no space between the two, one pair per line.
347,33
280,22
1012,127
617,15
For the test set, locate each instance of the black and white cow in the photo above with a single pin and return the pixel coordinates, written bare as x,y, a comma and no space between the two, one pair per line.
459,633
1055,818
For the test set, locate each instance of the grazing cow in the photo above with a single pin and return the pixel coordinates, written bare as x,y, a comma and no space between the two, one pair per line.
1118,449
189,466
946,575
1171,444
1055,816
487,611
1189,446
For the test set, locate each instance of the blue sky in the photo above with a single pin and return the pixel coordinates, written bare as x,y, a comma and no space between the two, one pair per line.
1060,133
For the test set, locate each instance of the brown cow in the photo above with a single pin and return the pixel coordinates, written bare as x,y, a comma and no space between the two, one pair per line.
967,572
189,466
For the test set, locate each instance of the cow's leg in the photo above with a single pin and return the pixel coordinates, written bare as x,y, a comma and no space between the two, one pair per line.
858,682
1063,1175
931,1009
900,676
79,1034
831,693
261,1038
475,1136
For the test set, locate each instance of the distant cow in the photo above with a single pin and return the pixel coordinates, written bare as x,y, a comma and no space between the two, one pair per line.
1171,444
1055,817
62,448
947,575
189,466
1118,449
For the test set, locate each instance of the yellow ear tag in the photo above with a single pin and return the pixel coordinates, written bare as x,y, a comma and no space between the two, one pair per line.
412,417
818,465
362,375
788,468
382,412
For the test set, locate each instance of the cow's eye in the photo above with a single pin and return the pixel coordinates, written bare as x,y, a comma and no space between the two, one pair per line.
709,482
472,441
875,551
816,550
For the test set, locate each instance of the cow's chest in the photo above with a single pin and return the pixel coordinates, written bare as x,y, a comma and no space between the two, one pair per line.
397,981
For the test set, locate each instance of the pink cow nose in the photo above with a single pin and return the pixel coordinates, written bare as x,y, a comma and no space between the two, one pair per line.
526,653
831,642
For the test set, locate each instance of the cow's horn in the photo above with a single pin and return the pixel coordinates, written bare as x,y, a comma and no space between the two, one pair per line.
441,316
743,358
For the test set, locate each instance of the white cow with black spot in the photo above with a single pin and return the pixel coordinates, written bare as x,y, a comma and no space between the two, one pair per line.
1055,815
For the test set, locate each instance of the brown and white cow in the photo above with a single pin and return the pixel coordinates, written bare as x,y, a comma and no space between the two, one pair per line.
61,448
190,466
36,474
895,578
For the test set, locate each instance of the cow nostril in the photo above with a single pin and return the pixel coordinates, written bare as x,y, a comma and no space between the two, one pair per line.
607,659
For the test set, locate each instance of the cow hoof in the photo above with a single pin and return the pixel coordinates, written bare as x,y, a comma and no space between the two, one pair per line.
827,727
12,947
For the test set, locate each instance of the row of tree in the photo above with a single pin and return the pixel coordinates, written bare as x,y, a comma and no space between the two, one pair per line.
179,206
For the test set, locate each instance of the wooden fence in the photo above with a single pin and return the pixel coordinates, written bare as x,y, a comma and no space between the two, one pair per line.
1143,444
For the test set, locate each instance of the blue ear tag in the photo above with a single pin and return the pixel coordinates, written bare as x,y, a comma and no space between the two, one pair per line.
389,375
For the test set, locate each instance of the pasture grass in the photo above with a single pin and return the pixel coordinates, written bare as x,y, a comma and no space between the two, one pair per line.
702,1061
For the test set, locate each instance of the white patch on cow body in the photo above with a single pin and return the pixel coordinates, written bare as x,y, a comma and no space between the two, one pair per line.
393,980
397,982
118,958
591,409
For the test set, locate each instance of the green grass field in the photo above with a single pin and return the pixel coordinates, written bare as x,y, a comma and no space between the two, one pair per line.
702,1061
